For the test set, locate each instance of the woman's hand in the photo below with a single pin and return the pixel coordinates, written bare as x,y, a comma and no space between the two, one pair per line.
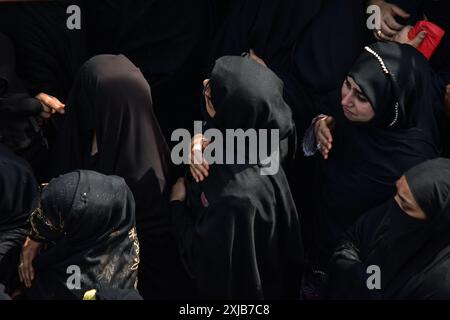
198,165
323,134
256,58
389,11
402,37
50,105
30,250
179,191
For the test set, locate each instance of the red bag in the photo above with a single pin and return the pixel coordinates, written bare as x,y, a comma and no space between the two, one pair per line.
432,39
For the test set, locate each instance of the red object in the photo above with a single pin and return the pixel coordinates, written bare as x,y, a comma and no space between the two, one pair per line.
432,39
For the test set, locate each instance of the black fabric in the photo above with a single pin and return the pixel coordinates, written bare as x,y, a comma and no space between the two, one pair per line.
107,294
48,53
19,123
3,295
112,98
167,40
367,158
413,255
19,197
86,220
240,236
271,28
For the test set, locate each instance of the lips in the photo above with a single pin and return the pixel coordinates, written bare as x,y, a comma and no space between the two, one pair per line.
346,110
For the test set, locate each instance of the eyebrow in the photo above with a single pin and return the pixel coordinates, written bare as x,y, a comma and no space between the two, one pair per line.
356,87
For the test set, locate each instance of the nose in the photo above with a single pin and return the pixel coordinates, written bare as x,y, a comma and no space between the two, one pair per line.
347,100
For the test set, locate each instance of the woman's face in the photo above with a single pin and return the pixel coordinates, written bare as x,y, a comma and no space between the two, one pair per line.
208,103
355,104
406,200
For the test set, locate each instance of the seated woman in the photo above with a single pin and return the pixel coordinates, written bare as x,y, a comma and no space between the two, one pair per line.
83,236
239,233
406,240
110,127
19,197
387,126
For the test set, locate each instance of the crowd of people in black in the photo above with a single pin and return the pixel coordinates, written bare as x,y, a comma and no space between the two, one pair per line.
92,205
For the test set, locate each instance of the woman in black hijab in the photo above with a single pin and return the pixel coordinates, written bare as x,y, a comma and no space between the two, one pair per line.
387,126
85,222
110,127
19,197
407,238
239,234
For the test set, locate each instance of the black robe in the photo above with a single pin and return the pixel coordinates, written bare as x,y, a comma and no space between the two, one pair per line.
112,98
239,235
48,53
413,255
368,158
19,197
85,220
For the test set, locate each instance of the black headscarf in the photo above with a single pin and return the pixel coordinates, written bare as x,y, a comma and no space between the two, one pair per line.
19,197
247,95
87,220
390,85
241,237
410,253
112,98
368,158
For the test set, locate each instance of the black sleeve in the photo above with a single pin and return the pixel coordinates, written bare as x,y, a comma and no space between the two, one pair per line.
216,247
347,270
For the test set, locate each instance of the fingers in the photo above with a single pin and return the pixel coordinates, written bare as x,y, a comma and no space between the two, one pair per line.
199,167
393,24
47,112
400,12
417,41
324,136
51,103
199,173
26,270
387,31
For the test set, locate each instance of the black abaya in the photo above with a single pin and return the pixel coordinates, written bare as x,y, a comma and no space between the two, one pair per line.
48,53
368,158
240,236
19,197
413,255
